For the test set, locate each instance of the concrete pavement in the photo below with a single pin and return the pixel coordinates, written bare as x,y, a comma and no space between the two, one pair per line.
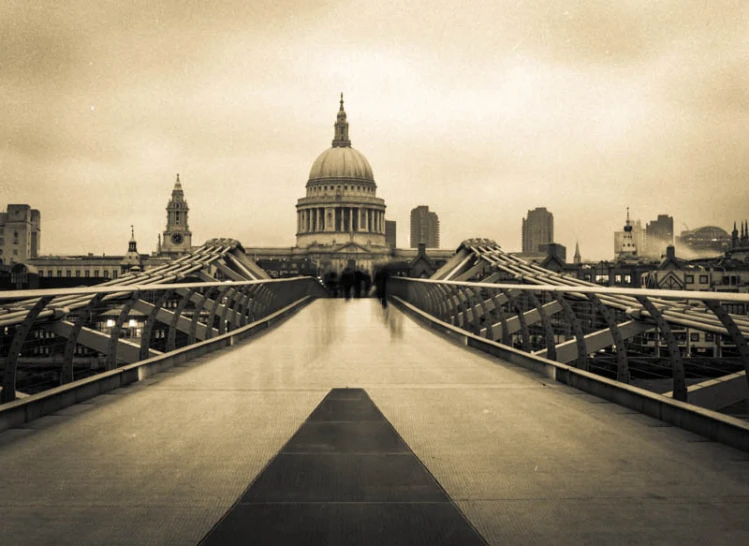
525,460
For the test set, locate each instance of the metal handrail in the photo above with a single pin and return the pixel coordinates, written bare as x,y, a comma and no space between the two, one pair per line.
235,304
468,305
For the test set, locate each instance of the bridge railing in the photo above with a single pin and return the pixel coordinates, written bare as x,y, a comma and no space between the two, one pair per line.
685,336
57,336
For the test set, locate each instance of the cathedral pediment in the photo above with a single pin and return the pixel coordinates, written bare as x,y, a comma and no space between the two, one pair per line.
352,248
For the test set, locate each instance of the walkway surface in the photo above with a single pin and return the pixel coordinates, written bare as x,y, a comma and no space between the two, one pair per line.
523,461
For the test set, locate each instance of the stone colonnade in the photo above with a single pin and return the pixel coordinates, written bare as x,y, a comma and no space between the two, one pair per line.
340,219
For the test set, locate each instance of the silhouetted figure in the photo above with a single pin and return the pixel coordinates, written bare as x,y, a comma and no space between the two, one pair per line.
367,282
331,283
358,281
380,282
347,281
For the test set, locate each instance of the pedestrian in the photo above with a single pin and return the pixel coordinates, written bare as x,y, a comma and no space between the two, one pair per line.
380,282
358,280
347,281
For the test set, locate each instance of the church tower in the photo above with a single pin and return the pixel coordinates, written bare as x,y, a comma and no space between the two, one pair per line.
577,260
177,236
132,261
627,249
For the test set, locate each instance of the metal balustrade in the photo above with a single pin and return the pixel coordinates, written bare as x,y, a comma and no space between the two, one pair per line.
554,320
53,337
56,336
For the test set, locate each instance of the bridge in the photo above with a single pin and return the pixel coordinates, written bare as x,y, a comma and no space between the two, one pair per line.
496,402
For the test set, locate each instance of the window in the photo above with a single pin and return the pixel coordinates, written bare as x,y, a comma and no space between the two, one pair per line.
50,273
68,273
15,237
77,272
709,336
15,252
176,217
96,272
114,273
689,279
59,272
106,273
694,337
87,273
703,279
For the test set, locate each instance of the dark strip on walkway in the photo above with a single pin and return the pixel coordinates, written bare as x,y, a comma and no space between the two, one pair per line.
345,477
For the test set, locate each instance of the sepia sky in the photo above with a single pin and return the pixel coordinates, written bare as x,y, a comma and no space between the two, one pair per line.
481,110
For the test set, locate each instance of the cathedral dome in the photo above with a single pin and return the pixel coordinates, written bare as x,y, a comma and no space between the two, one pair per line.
341,206
341,162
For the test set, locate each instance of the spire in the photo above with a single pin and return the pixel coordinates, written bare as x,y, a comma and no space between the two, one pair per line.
628,225
132,260
577,258
340,139
178,193
132,245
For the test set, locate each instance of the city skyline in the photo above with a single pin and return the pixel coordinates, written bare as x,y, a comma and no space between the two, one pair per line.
584,109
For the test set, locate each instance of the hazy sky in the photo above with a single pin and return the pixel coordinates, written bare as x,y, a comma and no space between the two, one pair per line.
481,110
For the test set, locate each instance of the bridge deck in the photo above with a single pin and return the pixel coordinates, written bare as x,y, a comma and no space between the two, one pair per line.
525,461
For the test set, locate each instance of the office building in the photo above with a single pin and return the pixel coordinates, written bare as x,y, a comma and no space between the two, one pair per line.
425,227
538,229
390,233
660,234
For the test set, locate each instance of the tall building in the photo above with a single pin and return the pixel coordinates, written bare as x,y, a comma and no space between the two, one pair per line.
390,232
425,227
660,234
20,234
538,229
177,235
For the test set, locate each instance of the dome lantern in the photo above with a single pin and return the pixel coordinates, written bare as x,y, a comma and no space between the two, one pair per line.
341,161
340,138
